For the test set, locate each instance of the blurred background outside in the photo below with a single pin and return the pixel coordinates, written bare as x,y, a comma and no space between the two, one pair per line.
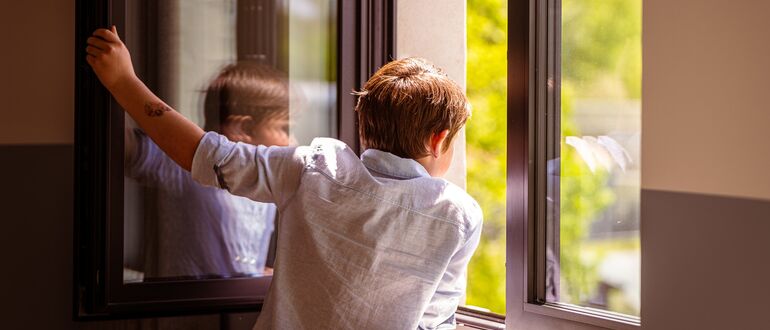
599,180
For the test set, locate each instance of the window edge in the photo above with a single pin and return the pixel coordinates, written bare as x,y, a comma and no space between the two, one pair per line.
479,320
585,315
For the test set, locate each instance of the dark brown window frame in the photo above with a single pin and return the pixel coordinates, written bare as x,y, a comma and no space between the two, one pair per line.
534,51
366,41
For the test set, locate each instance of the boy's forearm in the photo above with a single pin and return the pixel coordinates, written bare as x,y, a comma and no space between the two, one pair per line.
177,136
173,133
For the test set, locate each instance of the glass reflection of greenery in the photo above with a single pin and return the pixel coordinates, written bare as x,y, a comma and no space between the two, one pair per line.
598,48
486,135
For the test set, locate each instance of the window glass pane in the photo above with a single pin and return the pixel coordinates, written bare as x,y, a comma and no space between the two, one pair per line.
248,69
485,148
313,68
594,173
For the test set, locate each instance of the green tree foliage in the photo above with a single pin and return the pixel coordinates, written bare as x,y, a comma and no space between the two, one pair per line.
601,52
583,196
486,134
601,48
601,58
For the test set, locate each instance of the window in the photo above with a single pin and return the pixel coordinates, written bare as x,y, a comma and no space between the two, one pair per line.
245,69
574,133
130,260
592,157
572,190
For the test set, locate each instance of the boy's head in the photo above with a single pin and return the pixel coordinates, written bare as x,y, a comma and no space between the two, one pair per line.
249,102
407,107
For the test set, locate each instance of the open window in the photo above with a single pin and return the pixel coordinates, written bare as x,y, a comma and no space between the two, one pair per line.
558,178
574,135
144,244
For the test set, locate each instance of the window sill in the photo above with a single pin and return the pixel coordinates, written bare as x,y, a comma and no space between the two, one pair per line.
586,315
468,318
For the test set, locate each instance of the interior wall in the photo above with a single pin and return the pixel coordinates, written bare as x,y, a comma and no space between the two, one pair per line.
705,97
706,191
36,88
36,133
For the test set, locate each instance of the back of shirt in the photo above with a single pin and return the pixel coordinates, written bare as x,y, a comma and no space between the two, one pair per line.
370,243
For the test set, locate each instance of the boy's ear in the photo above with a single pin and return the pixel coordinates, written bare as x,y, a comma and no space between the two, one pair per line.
238,128
437,142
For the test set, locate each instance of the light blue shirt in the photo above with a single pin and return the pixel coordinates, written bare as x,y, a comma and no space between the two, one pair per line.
369,243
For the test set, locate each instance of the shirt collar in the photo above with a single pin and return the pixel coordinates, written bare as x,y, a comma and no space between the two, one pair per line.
389,164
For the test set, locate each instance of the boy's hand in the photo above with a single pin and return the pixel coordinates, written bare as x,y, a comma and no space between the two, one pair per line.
177,136
109,58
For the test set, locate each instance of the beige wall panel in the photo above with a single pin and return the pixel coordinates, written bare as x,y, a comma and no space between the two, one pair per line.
706,99
704,261
37,72
435,30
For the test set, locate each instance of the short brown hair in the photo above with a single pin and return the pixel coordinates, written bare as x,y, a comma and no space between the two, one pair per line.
246,88
405,102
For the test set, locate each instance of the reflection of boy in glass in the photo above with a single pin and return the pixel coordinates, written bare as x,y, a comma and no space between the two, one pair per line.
204,231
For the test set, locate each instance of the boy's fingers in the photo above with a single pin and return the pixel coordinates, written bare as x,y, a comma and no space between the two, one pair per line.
98,43
93,51
90,59
115,31
106,35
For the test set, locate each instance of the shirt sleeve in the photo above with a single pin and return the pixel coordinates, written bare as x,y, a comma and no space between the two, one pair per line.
145,162
451,288
264,174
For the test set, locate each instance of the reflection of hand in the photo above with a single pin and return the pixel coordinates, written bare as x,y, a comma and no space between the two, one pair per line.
268,271
109,57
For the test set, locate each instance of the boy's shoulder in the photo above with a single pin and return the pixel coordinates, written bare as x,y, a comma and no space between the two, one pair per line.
461,205
327,144
328,153
335,158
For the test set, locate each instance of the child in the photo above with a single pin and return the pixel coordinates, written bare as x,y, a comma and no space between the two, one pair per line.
379,242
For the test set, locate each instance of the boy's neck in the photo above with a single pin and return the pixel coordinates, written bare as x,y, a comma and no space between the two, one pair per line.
431,165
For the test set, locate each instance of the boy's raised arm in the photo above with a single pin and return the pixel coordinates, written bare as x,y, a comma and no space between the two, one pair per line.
177,136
